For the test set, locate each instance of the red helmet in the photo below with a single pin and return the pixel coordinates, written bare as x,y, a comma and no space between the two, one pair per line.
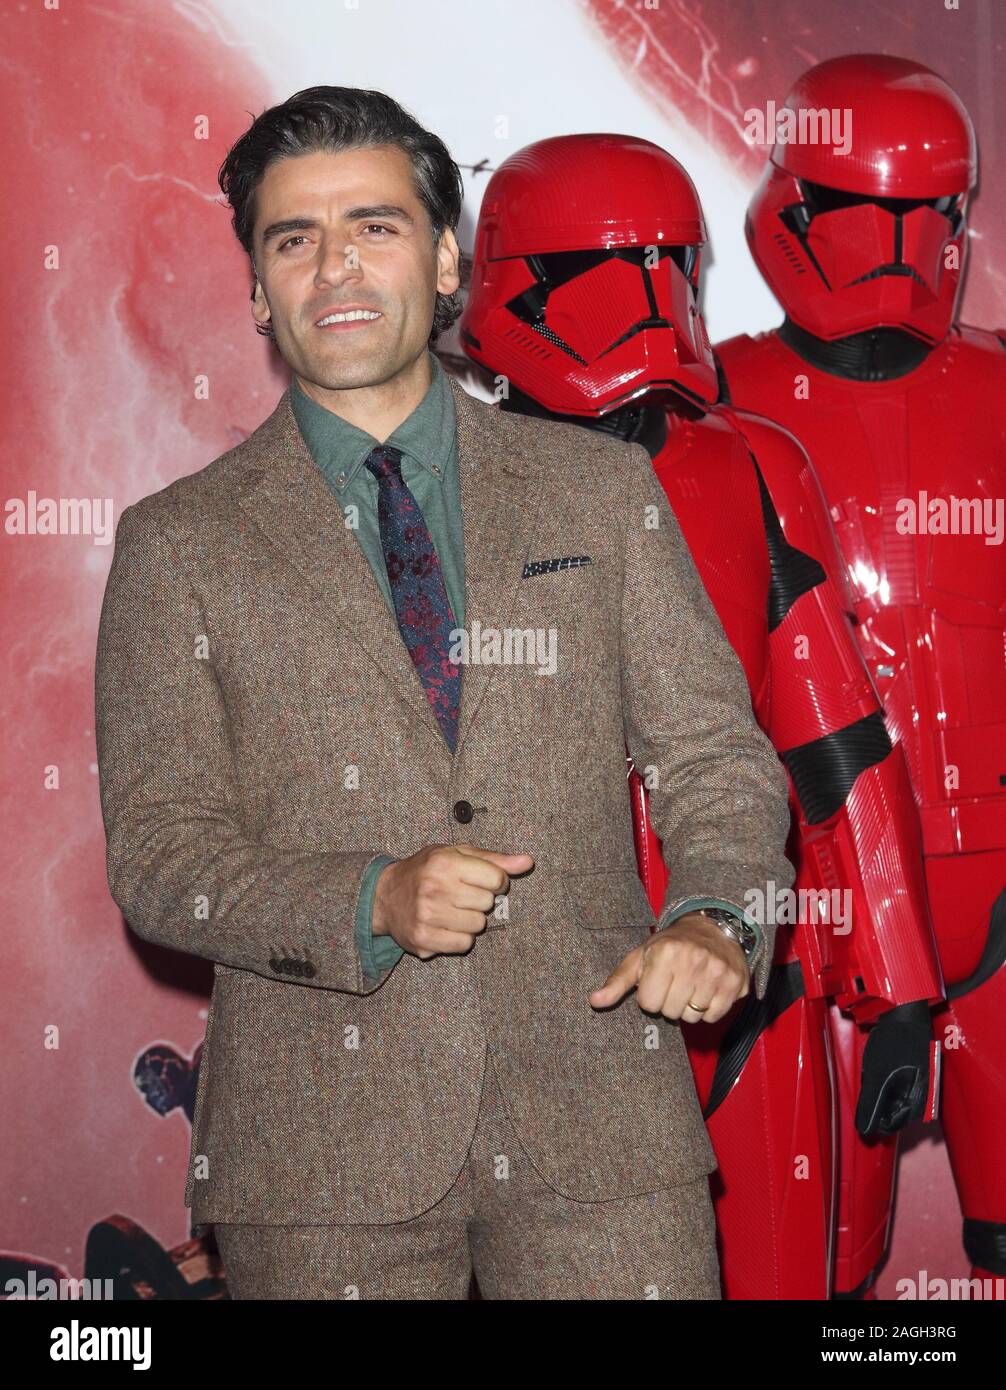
875,236
585,273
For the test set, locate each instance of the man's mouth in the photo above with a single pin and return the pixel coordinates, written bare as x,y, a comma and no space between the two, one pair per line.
338,318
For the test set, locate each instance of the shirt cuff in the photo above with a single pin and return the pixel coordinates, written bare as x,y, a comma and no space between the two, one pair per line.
693,904
377,953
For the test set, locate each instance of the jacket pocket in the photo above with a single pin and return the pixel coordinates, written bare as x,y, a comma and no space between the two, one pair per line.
608,899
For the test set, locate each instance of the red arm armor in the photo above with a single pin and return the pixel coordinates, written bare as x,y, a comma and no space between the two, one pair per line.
857,819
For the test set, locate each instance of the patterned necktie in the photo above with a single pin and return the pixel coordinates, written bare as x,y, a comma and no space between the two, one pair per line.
424,613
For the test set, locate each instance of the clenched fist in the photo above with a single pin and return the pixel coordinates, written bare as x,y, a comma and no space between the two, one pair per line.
689,970
437,901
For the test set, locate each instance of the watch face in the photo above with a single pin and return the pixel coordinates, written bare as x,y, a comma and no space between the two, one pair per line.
720,914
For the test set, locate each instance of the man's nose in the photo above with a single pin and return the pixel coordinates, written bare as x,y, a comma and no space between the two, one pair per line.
338,261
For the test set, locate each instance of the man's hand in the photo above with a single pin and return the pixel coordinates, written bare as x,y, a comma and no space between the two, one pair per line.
690,963
436,902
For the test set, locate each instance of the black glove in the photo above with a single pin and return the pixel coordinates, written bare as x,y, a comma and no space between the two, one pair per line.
895,1079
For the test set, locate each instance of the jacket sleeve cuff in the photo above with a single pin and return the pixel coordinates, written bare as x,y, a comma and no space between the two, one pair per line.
377,953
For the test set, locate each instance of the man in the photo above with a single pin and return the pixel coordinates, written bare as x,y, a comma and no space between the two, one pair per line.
364,686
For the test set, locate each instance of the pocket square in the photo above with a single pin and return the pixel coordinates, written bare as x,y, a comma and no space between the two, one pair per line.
565,562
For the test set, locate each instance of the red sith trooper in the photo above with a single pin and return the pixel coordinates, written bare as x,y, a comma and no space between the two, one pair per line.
903,412
583,301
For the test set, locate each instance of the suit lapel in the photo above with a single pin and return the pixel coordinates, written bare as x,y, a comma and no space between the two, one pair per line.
285,495
501,492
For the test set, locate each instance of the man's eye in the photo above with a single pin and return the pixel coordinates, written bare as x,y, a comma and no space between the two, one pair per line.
290,240
376,226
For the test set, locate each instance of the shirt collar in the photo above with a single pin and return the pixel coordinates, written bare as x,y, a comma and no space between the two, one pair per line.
339,449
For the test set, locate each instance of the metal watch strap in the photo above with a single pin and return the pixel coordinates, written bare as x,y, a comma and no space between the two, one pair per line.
735,928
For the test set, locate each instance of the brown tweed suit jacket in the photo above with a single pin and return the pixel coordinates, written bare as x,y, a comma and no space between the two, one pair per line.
262,734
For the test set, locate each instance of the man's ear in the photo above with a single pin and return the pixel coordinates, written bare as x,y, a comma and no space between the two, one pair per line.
261,312
448,263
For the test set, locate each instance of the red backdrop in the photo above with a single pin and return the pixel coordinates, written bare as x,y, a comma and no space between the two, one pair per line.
125,289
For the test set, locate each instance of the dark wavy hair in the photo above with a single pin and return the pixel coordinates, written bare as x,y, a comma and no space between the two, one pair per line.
334,119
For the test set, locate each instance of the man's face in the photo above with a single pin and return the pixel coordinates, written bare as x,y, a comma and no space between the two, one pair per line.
338,232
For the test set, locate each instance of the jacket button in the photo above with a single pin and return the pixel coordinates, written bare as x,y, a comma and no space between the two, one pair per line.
463,811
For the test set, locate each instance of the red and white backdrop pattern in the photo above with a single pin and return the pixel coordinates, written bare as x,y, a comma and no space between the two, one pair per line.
124,286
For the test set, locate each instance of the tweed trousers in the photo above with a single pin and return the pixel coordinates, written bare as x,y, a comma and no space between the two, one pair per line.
522,1239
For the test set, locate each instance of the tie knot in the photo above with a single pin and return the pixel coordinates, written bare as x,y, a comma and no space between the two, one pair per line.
385,461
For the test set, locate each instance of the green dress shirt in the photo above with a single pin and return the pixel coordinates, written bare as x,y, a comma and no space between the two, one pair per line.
428,441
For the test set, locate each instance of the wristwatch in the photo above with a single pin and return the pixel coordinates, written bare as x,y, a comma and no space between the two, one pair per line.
739,930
